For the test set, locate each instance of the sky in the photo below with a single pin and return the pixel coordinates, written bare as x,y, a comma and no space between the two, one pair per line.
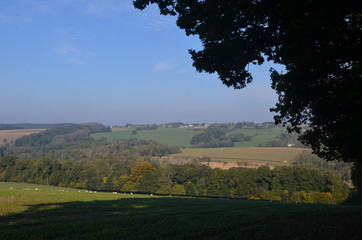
103,61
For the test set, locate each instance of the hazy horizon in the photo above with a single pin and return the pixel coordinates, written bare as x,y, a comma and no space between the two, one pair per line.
104,61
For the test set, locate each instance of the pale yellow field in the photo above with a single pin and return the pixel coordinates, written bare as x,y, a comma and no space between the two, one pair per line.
12,135
273,156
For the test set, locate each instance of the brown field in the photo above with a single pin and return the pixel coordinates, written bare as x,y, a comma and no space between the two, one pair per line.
226,158
12,135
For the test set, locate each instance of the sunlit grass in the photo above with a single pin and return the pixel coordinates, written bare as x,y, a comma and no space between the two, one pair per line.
53,214
19,197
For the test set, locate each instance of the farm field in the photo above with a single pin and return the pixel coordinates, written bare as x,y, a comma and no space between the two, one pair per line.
12,135
244,156
51,213
181,137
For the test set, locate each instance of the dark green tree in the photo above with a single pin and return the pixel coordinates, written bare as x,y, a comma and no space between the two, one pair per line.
318,43
264,175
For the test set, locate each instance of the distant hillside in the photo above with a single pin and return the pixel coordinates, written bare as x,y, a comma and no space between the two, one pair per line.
61,134
251,136
5,126
180,137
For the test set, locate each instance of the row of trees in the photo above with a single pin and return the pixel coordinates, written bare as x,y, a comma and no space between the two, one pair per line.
128,152
282,183
217,138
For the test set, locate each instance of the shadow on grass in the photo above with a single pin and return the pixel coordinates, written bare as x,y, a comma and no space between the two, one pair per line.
182,218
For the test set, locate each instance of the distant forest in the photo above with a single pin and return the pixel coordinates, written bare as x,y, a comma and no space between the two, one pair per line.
4,126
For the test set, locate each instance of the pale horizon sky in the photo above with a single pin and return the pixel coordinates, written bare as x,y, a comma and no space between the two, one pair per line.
104,61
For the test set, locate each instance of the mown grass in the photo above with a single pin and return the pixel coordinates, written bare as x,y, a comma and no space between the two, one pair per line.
273,156
19,197
72,215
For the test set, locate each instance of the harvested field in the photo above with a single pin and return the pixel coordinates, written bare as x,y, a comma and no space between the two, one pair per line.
242,157
12,135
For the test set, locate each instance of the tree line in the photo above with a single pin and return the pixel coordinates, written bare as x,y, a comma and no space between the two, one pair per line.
283,183
216,138
61,134
128,152
308,160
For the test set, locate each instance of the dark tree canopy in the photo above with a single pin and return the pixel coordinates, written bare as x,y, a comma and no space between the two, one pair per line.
318,42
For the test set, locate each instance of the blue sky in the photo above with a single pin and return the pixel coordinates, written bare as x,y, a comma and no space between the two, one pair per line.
104,61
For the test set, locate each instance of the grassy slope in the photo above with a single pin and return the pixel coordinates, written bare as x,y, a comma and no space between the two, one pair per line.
50,214
182,137
274,156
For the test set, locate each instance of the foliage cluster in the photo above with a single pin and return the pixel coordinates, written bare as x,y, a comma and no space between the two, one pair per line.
61,134
146,127
215,139
127,152
5,126
308,160
9,127
282,183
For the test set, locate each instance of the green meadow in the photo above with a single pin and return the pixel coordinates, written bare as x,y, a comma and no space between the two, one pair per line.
181,137
61,213
260,137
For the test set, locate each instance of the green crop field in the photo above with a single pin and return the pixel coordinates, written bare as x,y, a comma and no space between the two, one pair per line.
56,213
273,156
180,137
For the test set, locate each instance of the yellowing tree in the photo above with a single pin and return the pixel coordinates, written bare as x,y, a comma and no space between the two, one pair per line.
137,173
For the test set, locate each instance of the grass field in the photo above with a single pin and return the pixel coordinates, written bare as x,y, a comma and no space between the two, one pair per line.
272,156
12,135
181,137
170,136
50,213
